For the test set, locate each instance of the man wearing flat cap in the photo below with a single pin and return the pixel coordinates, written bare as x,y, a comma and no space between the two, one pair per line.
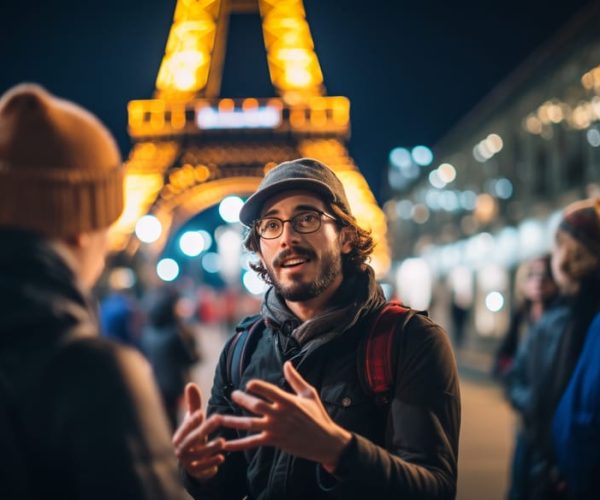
79,415
300,421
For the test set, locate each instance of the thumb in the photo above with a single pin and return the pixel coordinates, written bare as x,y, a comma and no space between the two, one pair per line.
297,383
193,396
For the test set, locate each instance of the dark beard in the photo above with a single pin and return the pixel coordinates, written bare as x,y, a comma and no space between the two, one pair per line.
331,268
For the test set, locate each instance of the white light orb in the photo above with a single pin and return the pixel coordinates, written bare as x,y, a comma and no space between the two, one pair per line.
211,262
400,157
422,155
253,283
229,208
208,240
191,243
494,301
148,229
167,269
593,137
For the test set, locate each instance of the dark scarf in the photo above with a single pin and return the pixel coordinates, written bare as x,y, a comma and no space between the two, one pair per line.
39,293
358,295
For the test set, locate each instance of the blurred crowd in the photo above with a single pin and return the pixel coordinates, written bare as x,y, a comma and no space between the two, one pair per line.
548,363
164,324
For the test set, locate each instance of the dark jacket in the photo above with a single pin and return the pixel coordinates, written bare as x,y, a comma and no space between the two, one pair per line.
406,450
529,390
529,378
168,343
170,356
80,415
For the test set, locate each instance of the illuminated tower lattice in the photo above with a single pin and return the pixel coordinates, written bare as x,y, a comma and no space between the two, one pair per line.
192,147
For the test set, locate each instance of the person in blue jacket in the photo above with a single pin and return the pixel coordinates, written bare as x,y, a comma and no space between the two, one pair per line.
576,424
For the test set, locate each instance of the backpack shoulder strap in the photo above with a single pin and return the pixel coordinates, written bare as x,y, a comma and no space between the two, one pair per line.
378,353
240,348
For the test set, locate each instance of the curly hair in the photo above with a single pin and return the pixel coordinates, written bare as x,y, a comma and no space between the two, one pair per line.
353,262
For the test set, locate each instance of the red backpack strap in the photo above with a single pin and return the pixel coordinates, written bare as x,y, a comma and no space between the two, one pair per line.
379,352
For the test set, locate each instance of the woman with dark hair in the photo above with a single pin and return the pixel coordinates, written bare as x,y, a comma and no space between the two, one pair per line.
537,291
547,358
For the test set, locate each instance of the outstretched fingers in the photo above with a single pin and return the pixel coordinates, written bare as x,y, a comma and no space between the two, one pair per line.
253,404
203,455
244,423
296,381
193,397
253,441
267,391
199,435
190,423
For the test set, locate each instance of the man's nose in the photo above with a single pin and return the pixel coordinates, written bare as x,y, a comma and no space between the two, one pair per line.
289,234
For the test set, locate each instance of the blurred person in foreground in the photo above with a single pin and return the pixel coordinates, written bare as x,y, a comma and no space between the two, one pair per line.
300,424
79,415
576,425
170,347
546,359
536,290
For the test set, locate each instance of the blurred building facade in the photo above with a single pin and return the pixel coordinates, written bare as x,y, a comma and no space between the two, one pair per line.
493,196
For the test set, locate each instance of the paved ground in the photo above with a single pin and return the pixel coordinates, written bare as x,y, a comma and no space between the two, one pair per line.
486,442
486,432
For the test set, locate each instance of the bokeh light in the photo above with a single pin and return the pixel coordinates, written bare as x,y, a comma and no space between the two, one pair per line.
230,207
167,269
422,155
494,301
191,243
148,229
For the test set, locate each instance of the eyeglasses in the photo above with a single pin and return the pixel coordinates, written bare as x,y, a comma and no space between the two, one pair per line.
306,222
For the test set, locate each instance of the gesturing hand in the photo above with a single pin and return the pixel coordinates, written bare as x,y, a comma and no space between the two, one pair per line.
200,458
296,423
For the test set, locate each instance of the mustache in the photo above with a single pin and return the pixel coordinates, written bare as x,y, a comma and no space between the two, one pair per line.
288,252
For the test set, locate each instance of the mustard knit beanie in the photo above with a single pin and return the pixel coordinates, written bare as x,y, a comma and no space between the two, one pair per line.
60,168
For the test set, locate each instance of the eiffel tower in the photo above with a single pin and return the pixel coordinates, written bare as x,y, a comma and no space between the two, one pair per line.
192,147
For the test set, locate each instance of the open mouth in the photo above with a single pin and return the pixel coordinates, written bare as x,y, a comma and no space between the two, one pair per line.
293,262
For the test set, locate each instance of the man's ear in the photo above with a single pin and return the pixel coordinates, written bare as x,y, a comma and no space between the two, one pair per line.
347,239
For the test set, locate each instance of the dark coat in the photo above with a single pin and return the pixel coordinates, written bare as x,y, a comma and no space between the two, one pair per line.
407,450
528,380
80,415
529,389
170,356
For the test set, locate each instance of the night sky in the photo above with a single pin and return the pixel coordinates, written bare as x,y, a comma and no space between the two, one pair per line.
410,69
